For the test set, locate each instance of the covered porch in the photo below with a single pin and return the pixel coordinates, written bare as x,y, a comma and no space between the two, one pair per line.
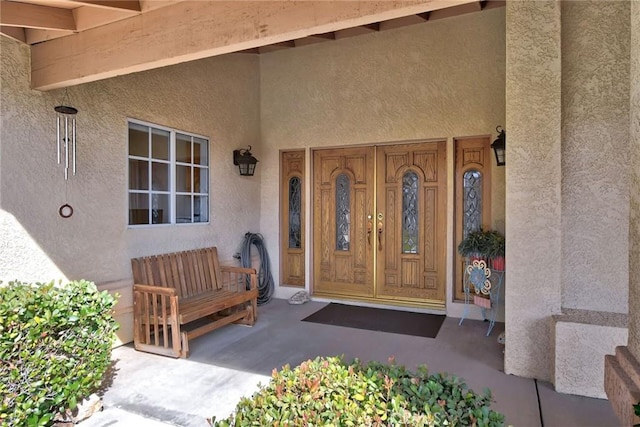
561,77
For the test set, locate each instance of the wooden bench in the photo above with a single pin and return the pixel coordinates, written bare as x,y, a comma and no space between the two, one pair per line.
183,295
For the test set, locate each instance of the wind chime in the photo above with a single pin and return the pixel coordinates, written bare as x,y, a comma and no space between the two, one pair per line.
66,146
66,134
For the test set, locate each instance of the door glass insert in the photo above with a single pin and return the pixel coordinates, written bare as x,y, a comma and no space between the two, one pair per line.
294,212
343,212
472,185
410,213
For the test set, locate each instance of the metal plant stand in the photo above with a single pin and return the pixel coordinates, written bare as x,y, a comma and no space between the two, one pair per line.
482,288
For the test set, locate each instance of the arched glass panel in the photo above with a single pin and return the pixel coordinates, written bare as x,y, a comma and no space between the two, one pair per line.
410,213
343,212
472,190
295,208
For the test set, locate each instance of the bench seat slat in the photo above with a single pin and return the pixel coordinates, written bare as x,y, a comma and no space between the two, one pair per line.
204,305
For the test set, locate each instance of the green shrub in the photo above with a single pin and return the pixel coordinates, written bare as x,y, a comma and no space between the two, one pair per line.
55,346
330,392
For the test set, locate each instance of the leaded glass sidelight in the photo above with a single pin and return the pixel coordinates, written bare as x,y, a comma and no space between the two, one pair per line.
410,213
472,203
295,208
343,212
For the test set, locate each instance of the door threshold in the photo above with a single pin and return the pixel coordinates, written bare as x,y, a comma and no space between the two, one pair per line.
427,307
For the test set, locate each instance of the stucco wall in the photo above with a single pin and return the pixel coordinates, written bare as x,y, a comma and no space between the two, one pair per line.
440,79
216,97
634,154
533,204
595,155
582,338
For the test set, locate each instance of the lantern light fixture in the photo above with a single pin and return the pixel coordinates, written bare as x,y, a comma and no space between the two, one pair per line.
499,146
66,137
245,161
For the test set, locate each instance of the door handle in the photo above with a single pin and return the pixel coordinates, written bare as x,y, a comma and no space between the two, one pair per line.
369,231
380,235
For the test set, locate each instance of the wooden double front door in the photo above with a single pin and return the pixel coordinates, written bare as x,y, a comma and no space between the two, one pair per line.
379,225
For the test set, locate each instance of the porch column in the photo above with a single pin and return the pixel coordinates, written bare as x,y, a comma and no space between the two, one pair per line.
533,176
634,220
622,371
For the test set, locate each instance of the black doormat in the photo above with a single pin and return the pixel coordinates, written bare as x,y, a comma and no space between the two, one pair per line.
378,319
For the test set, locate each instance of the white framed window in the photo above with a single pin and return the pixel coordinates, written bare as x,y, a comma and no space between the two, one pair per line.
168,176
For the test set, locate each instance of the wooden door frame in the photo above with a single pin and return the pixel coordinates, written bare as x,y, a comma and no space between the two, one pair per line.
287,172
481,147
311,243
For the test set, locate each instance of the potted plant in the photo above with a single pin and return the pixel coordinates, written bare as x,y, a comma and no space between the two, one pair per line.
474,245
495,248
487,245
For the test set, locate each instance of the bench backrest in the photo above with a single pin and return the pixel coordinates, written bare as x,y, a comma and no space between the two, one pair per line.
189,272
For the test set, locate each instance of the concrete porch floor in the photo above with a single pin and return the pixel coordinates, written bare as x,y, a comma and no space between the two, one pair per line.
153,391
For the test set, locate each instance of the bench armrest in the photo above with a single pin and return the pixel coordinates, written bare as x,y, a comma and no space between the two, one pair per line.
230,269
236,271
155,290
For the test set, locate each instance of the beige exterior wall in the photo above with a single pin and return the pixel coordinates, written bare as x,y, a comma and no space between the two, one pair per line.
581,341
568,195
634,151
442,79
533,204
595,155
216,97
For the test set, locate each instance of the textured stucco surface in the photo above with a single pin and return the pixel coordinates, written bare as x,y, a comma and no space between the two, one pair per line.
634,154
595,155
442,79
216,97
579,356
533,199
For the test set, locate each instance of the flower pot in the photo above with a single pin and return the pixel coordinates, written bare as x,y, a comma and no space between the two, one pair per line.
482,302
497,263
477,257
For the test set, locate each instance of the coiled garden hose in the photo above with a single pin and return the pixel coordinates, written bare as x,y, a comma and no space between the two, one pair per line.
265,278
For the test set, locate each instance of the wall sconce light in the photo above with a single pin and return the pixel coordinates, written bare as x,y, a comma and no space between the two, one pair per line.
245,161
499,146
66,136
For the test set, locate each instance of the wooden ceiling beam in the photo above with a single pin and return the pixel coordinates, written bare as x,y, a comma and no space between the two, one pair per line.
449,12
35,35
14,14
148,5
401,22
15,33
130,5
492,4
91,17
326,36
198,30
277,46
373,27
316,38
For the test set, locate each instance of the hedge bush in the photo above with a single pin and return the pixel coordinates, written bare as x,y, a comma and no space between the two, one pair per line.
55,346
330,392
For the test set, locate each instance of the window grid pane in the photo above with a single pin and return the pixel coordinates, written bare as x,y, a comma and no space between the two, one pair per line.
410,213
472,203
160,144
295,209
201,209
343,212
